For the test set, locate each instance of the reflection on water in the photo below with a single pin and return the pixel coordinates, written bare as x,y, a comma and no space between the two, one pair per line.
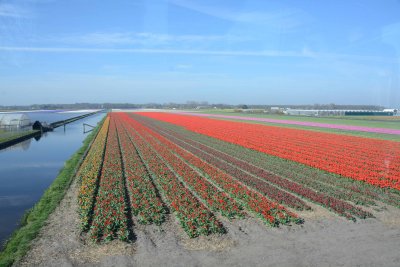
37,137
24,145
28,168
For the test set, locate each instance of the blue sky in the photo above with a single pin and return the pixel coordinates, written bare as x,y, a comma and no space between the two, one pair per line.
220,51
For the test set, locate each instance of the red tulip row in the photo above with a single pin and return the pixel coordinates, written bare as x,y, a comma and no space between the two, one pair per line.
268,211
215,199
373,161
341,207
88,175
270,191
194,217
110,211
331,184
252,181
145,203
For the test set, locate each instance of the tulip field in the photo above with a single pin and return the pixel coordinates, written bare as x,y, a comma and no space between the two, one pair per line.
151,167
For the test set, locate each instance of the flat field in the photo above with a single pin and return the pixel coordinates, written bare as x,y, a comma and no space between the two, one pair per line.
391,122
377,127
163,188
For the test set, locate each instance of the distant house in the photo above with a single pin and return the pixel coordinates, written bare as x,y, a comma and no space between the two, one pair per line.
12,121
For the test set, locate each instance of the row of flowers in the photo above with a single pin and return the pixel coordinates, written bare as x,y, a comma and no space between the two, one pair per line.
373,161
236,166
194,216
136,165
88,175
215,199
110,220
270,212
145,203
333,185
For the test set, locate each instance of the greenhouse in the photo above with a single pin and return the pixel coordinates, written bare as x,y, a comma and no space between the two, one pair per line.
14,121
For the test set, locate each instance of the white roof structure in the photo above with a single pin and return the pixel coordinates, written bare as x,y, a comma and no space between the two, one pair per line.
14,120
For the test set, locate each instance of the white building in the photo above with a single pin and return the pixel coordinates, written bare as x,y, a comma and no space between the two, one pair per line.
302,112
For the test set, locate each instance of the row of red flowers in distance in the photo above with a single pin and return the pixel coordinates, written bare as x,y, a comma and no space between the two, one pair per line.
236,167
374,161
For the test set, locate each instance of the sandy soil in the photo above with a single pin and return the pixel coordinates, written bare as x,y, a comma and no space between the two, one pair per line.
324,240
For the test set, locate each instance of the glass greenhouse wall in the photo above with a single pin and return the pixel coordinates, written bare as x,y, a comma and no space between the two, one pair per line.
14,121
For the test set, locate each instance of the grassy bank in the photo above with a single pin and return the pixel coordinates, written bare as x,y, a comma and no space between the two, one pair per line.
35,218
7,136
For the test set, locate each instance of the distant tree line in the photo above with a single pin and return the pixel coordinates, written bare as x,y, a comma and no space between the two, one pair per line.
187,105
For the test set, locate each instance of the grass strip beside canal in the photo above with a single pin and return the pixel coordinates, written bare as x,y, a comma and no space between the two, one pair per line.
9,138
31,223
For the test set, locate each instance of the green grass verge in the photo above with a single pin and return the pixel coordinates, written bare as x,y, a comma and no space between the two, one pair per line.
31,223
8,136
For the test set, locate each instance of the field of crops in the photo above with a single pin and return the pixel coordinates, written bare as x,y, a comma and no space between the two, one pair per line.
144,166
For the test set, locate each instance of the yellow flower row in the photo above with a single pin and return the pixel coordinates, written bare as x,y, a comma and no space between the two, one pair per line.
88,174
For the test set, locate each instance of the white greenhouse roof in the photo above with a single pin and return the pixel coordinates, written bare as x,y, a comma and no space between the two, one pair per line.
9,119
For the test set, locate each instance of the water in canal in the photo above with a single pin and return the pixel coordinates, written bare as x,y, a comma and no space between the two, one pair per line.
27,169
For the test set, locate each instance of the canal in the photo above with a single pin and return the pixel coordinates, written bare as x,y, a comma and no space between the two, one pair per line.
28,168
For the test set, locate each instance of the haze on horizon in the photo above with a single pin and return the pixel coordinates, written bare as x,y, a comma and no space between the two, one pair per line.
256,52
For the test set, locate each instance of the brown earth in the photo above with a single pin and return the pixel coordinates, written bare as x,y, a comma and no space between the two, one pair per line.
323,240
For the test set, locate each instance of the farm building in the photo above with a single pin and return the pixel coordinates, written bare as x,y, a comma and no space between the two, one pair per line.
396,112
14,121
368,113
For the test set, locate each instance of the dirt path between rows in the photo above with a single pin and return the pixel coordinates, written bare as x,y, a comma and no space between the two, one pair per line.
324,240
